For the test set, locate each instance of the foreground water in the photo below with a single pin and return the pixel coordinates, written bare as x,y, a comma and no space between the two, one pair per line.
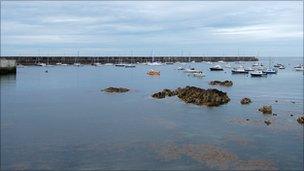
61,120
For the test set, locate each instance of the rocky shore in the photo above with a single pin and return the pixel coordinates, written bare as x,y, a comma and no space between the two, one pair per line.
266,109
195,95
245,100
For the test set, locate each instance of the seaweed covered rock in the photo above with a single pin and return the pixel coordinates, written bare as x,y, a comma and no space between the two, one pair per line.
226,83
115,90
301,120
198,96
164,93
245,100
266,109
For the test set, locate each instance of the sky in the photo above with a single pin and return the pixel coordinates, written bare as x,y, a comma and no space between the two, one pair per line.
270,29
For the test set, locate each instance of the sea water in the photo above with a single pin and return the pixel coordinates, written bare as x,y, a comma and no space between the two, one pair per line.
61,119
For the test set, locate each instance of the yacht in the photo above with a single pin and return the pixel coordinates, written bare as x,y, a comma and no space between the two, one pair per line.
108,64
239,70
282,67
256,73
154,63
278,65
300,68
216,68
97,64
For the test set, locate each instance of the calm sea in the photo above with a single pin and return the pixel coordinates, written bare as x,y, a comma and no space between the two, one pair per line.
61,119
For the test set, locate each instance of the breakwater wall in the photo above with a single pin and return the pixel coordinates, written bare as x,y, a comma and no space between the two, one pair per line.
31,60
7,66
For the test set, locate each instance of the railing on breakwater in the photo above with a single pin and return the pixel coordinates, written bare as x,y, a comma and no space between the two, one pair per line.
31,60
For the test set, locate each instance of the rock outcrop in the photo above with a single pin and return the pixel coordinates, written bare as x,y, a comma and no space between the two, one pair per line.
245,100
301,120
164,93
195,95
266,109
115,90
226,83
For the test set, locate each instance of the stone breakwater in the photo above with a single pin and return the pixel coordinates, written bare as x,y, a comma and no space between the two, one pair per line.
31,60
7,66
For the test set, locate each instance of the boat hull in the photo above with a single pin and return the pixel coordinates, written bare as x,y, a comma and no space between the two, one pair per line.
216,69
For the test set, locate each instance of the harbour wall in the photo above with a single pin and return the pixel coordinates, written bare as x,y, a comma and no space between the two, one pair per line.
7,66
31,60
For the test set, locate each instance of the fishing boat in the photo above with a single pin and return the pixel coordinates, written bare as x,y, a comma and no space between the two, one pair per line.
192,70
270,71
129,66
216,68
239,70
256,73
153,72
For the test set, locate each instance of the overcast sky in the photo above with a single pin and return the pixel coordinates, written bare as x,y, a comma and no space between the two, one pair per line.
168,28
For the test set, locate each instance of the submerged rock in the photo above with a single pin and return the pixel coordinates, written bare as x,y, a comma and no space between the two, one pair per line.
245,100
266,109
301,120
116,90
226,83
195,95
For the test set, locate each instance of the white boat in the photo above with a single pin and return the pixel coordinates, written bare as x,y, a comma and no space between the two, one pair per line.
129,66
192,70
270,71
64,64
97,64
239,70
198,74
256,73
77,64
180,68
221,61
216,68
255,64
193,61
300,68
282,67
41,64
59,63
154,63
209,62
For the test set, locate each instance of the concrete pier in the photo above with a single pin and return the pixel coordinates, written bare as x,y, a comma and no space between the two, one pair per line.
32,60
7,66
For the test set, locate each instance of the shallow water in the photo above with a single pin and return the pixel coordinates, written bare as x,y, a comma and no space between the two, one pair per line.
61,120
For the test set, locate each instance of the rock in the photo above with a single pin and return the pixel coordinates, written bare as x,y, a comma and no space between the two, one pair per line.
195,95
291,114
198,96
153,72
226,83
274,114
247,119
164,93
116,90
301,120
245,100
266,109
267,122
276,101
293,102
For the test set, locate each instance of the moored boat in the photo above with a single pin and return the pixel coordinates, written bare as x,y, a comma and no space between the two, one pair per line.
192,70
270,71
249,69
129,66
216,68
239,70
120,65
256,73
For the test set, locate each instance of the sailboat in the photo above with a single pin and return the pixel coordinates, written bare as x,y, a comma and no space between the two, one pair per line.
270,70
